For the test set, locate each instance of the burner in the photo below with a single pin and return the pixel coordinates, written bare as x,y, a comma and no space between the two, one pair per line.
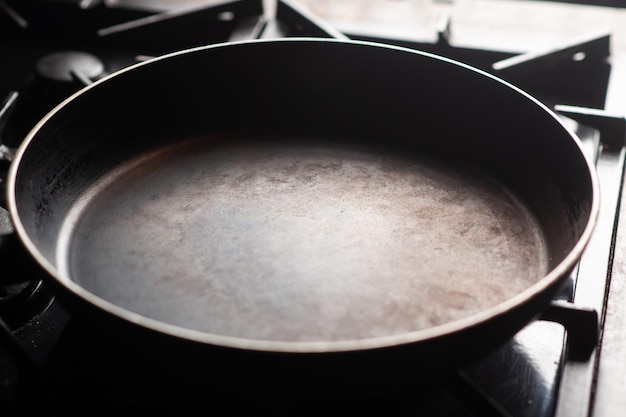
56,76
70,66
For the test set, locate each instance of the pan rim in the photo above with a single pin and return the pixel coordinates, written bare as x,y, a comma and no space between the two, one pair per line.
549,281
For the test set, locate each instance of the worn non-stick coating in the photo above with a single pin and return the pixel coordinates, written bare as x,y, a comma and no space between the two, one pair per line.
305,198
299,241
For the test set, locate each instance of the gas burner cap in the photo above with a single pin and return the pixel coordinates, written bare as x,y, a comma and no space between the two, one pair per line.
69,66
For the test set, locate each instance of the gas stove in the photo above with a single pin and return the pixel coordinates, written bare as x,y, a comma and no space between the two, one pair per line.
566,363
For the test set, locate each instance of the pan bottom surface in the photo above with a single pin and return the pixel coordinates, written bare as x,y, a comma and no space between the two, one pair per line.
299,240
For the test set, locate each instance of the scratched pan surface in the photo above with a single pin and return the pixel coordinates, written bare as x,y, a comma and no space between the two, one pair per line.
305,198
300,242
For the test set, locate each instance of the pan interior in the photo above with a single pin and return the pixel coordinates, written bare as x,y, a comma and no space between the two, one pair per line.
299,240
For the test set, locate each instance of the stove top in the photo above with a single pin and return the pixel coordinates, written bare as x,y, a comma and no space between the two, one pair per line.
564,364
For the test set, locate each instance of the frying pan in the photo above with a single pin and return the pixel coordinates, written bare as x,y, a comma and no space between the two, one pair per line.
298,209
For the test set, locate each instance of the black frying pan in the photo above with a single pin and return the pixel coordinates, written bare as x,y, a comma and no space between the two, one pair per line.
303,207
